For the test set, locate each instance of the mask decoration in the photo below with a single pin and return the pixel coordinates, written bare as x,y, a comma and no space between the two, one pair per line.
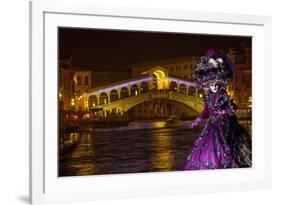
214,87
215,66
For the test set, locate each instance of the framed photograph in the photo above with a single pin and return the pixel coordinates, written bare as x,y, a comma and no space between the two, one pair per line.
130,102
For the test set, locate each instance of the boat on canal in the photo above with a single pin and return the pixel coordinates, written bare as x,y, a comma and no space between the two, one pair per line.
173,121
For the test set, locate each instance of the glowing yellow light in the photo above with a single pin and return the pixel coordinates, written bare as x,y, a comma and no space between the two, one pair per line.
161,79
104,101
200,95
136,92
94,104
72,102
60,95
161,72
250,99
163,159
156,75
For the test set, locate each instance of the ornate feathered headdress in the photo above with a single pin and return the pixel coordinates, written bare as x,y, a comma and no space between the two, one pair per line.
214,66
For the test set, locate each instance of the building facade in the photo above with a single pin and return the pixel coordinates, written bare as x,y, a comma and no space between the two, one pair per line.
106,77
76,83
83,82
240,89
66,90
178,67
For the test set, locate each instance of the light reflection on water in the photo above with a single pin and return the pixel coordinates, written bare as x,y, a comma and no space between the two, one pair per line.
138,147
162,156
142,125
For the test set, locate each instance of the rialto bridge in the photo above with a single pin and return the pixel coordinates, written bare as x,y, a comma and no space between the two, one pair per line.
153,84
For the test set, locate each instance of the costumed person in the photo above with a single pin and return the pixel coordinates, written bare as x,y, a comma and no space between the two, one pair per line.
223,143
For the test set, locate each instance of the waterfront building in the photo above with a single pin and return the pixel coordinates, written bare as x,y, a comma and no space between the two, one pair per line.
240,88
83,82
66,90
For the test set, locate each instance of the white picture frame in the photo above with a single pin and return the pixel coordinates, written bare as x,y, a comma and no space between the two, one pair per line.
46,187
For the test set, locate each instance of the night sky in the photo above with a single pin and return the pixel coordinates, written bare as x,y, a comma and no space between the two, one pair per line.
103,50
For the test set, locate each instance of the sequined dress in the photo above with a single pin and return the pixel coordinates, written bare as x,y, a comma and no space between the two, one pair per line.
223,143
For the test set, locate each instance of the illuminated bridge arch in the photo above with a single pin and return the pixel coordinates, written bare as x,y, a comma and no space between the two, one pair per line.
144,87
200,93
182,89
103,98
93,101
134,90
188,106
126,104
124,93
114,95
191,91
173,86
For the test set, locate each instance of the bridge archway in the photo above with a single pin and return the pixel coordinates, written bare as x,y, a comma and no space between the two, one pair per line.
127,103
124,92
93,101
103,98
173,86
191,91
114,95
154,81
159,77
182,89
134,90
157,108
200,93
144,87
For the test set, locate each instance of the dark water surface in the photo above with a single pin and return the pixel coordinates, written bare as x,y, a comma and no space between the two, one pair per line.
138,147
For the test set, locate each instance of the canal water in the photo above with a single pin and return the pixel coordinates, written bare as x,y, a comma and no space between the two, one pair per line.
138,147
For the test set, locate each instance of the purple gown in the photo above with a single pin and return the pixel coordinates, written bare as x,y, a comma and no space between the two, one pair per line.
223,143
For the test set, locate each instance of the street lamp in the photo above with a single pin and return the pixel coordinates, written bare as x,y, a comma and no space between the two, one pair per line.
72,102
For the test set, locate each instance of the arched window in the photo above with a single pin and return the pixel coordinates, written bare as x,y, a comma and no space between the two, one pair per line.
79,80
